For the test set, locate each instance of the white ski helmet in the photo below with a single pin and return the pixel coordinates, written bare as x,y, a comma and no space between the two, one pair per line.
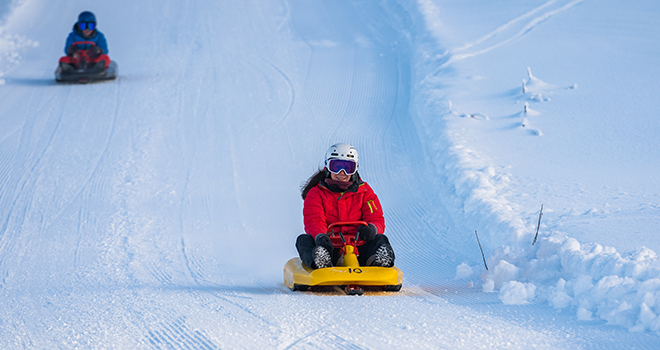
341,151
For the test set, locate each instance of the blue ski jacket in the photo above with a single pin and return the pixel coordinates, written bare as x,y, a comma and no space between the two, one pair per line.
97,37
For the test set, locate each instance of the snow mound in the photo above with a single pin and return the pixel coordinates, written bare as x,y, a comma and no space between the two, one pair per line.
463,271
590,280
9,46
516,293
535,87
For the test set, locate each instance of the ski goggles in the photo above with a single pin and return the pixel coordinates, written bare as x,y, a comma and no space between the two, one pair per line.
86,25
337,165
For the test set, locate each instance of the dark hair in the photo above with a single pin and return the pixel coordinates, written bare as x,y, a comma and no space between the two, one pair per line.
313,181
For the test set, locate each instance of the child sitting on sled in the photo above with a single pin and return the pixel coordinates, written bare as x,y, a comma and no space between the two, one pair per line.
85,43
337,193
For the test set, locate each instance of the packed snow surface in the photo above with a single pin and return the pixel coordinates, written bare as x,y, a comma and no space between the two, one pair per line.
156,211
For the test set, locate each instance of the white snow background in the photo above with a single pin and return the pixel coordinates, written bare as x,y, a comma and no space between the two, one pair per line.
156,211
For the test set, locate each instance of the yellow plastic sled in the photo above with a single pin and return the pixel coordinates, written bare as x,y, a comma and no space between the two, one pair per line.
348,273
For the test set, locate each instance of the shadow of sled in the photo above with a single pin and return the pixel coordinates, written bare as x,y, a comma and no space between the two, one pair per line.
30,81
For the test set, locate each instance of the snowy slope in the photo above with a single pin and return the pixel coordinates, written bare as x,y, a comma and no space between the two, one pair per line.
583,147
157,210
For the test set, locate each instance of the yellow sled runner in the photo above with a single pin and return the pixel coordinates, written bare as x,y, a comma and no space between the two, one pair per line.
348,273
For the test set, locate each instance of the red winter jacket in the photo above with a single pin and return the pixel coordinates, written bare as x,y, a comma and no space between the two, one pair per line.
323,207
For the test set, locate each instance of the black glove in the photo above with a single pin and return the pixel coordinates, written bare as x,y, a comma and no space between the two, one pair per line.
71,50
368,233
95,51
324,241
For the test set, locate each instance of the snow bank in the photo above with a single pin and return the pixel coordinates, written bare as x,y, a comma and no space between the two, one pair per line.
10,45
516,293
479,189
591,281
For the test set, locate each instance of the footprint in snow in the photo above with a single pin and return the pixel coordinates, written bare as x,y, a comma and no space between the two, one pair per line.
478,116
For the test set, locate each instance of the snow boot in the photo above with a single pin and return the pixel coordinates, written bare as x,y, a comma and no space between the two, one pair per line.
322,257
66,66
99,66
96,66
384,257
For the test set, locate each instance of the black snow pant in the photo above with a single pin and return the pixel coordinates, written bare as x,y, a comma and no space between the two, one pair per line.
305,244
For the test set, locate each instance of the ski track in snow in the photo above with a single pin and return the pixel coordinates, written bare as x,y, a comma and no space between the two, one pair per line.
176,332
292,96
508,32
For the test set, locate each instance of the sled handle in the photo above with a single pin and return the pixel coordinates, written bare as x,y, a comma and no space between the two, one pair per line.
353,241
347,223
84,43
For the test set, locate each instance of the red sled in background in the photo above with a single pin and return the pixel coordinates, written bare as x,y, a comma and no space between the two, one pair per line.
83,68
